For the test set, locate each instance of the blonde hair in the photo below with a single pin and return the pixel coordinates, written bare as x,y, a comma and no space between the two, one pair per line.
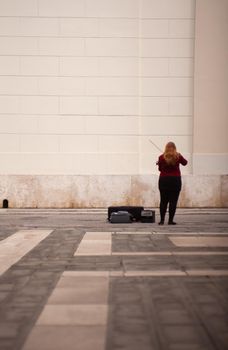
170,154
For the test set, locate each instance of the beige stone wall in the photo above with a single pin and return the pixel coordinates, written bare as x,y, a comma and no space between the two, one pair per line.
84,86
210,141
101,191
86,83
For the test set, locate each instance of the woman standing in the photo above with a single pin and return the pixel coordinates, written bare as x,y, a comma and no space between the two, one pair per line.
169,181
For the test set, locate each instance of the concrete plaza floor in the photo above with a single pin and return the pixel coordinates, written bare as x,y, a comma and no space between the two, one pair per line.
71,280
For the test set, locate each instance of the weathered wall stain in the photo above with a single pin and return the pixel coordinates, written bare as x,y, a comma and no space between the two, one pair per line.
78,191
224,190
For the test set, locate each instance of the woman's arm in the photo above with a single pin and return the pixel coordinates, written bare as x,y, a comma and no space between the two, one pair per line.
182,160
159,163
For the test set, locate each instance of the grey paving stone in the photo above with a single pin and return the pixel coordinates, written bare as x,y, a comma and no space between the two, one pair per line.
184,334
188,347
30,282
176,316
8,330
146,313
6,232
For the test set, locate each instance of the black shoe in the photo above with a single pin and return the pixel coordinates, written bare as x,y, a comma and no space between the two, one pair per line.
172,223
161,222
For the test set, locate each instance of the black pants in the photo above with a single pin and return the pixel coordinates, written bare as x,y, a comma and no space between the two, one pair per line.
170,187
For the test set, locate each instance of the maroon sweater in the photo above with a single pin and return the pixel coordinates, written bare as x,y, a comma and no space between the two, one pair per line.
170,170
